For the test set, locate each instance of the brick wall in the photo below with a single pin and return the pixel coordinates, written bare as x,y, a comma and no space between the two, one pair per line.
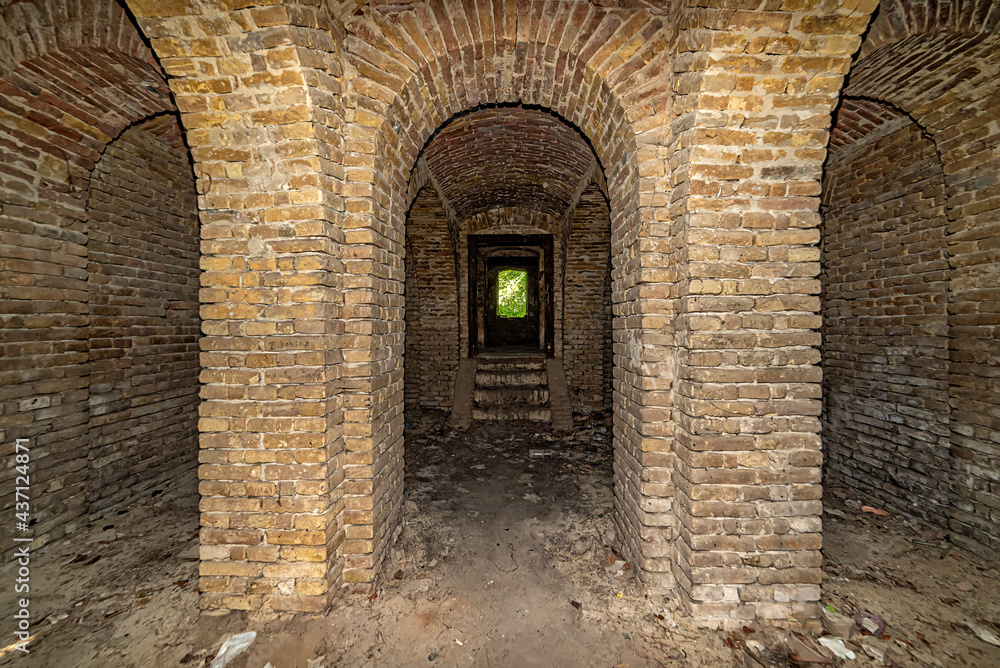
71,79
714,209
755,97
432,344
587,314
411,370
401,96
142,275
885,308
508,156
287,339
940,64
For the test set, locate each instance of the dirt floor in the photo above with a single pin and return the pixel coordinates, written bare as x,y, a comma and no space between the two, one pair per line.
505,560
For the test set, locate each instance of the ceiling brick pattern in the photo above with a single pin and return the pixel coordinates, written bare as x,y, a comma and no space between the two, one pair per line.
859,120
495,156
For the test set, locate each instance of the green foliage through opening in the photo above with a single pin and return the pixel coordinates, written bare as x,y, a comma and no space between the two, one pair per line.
512,300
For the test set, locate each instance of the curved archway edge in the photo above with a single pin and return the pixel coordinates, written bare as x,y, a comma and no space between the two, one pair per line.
412,117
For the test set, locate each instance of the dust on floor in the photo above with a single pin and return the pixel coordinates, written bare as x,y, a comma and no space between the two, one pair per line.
505,560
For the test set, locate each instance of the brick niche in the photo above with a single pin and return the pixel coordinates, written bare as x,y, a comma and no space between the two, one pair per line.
912,196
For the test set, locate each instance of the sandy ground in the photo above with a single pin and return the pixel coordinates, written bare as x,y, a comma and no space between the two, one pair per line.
505,560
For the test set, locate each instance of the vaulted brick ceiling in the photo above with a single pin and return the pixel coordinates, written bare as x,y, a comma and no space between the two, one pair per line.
859,118
916,52
508,156
897,20
73,80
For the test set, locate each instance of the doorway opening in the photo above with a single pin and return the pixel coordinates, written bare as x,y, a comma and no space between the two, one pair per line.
511,307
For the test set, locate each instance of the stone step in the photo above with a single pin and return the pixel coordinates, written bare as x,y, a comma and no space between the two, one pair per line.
507,396
495,362
511,377
515,412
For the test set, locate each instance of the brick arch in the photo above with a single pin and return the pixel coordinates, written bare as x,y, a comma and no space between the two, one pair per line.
934,63
434,79
492,156
410,68
918,56
35,29
73,103
859,117
310,170
898,20
860,120
142,279
73,76
511,218
885,261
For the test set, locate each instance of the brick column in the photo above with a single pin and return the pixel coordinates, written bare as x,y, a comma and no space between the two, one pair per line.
259,94
755,92
644,274
373,353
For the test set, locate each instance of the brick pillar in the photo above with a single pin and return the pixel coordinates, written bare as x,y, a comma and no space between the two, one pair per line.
643,276
755,94
373,354
259,94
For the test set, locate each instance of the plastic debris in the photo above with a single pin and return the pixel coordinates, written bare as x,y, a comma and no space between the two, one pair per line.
232,648
869,622
984,633
874,652
836,645
874,511
539,454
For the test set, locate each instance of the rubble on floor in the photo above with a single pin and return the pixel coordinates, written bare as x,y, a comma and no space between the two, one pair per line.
505,559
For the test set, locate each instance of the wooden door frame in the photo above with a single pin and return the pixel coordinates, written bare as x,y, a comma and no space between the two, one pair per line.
478,242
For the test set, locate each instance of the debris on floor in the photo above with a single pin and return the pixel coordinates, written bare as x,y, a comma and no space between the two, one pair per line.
506,560
232,647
